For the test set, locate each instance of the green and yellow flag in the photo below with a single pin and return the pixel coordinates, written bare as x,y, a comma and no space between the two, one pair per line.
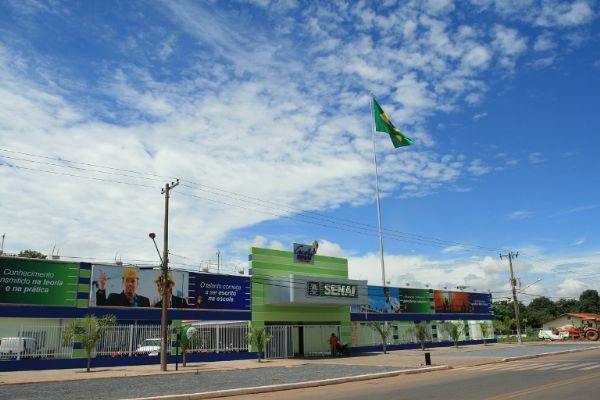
383,124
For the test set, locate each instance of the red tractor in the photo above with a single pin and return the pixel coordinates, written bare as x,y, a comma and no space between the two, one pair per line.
591,328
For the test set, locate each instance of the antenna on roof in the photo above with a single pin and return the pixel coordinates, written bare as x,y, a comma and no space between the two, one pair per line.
55,256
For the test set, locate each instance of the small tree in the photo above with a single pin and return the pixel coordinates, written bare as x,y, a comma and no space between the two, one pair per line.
421,333
383,330
486,329
259,338
454,330
88,332
504,326
32,254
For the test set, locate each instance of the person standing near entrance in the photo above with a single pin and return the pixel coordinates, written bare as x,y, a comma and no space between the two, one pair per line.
333,341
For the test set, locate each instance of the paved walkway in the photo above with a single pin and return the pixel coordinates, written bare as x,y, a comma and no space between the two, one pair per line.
220,377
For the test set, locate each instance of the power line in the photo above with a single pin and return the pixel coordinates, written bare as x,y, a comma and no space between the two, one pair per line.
83,177
280,210
86,164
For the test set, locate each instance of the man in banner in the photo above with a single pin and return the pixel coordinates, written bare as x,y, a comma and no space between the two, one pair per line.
128,297
173,301
391,305
384,124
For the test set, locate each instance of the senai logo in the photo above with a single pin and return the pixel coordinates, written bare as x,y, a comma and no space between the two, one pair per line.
331,289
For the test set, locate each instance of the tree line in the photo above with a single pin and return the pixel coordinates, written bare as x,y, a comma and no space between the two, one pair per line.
542,309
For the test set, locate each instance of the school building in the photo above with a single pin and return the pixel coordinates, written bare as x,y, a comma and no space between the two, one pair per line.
299,297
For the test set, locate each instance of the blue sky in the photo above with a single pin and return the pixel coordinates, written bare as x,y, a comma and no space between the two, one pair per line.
261,109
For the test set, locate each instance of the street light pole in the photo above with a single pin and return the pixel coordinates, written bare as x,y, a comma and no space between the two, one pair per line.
165,283
530,285
513,284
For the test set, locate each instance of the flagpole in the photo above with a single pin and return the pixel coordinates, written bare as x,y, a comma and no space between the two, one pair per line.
377,194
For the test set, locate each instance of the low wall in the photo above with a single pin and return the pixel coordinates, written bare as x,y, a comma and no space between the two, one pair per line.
103,362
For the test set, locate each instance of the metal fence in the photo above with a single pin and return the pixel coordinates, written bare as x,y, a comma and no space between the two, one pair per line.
127,340
31,341
220,338
281,344
43,341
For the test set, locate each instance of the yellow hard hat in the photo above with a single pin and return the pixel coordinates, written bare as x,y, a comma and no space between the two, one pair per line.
170,279
130,272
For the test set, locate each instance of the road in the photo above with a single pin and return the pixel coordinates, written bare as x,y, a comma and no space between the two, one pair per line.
567,376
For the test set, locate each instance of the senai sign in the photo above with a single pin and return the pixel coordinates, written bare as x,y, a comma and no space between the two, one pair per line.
331,289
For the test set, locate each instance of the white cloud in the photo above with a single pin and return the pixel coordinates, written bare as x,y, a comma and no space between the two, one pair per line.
571,288
535,158
248,111
544,42
478,168
479,274
459,248
480,115
509,44
520,214
331,249
564,13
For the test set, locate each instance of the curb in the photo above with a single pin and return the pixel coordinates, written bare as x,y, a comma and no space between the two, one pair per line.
290,386
508,359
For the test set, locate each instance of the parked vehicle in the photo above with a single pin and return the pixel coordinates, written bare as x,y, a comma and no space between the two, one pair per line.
18,347
589,330
149,347
552,334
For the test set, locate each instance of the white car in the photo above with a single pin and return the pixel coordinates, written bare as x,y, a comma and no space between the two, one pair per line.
149,347
17,347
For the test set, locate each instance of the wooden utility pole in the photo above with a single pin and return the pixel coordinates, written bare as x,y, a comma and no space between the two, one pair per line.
513,284
165,281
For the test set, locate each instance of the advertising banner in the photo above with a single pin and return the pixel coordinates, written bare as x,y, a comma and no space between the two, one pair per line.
416,301
128,286
30,281
424,301
221,292
481,303
397,300
451,302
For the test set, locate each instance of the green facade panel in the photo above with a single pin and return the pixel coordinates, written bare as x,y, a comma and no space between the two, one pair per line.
267,264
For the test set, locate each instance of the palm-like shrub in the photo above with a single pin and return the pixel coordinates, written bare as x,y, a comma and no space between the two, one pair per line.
259,338
454,330
383,330
87,332
421,333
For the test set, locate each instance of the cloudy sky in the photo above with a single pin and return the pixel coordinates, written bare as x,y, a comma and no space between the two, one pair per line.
262,110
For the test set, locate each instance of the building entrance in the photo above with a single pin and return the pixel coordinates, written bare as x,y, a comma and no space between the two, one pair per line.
300,339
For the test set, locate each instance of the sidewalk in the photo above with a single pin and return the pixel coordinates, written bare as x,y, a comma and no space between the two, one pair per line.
402,360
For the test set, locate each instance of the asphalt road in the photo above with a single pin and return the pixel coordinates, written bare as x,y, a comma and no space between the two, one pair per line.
568,376
206,381
157,385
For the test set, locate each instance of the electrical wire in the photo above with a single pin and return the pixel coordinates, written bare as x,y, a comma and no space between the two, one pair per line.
265,206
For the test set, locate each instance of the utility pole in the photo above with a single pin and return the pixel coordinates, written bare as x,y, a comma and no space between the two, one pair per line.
218,261
513,284
165,278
